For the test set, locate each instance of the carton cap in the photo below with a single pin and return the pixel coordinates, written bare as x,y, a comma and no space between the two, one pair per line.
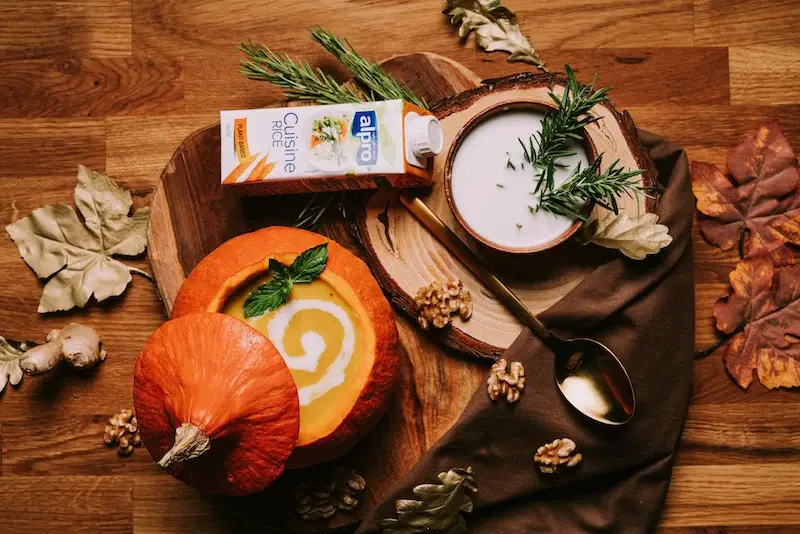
425,135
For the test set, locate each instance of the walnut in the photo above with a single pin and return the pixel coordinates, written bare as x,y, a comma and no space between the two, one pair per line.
506,380
336,488
123,430
557,456
437,303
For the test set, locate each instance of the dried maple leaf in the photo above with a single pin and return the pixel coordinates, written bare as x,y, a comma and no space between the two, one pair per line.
763,311
76,255
757,207
11,353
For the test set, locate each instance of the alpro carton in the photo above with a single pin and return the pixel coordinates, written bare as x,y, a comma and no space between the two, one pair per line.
275,151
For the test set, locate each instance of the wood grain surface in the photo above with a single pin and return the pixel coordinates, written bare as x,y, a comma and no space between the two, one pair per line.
143,75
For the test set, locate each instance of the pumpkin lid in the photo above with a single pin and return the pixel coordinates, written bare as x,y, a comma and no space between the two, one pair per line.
216,404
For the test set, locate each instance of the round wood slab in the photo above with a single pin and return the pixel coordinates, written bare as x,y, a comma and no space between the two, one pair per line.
404,256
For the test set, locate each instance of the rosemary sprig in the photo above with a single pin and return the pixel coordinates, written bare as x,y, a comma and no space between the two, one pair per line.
298,80
587,185
316,207
560,126
366,72
301,82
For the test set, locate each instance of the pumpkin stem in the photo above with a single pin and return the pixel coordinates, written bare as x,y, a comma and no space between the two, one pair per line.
190,442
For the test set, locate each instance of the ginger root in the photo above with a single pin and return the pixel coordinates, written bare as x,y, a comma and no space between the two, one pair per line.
76,344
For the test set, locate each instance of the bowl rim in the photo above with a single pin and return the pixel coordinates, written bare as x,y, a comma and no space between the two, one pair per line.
501,107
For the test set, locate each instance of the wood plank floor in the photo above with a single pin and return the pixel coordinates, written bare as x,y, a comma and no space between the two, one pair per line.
116,84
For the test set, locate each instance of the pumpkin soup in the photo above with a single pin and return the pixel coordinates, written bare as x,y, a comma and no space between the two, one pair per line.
321,337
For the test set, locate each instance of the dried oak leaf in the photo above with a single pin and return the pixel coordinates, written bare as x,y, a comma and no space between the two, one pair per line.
634,237
757,207
495,27
765,306
77,255
439,508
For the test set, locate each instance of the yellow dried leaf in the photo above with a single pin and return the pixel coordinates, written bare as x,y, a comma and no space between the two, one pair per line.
634,237
75,255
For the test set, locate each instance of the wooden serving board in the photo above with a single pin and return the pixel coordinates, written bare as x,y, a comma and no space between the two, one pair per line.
191,215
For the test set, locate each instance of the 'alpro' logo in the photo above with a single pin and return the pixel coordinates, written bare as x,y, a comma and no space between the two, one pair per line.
365,130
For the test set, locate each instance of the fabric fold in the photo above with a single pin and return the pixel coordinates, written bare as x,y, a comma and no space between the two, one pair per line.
643,311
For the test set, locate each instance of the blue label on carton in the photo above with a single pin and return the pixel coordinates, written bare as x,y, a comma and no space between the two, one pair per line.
365,131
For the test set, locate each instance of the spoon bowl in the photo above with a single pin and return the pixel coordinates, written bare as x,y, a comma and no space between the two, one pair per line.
594,381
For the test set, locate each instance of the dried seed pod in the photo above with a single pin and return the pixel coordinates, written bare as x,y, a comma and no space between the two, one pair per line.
335,488
557,455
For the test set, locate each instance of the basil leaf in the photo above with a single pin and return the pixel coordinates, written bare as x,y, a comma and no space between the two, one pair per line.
305,268
267,297
278,270
309,264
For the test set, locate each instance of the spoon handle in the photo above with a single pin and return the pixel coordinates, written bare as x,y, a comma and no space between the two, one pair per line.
451,241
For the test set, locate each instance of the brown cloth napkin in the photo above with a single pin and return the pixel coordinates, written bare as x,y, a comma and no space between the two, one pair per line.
642,310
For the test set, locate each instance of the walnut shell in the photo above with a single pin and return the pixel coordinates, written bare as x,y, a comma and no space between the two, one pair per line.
437,303
506,380
557,455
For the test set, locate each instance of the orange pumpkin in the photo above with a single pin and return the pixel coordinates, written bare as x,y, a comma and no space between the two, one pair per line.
331,420
216,404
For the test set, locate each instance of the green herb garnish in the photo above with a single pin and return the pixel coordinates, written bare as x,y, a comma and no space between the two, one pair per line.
586,185
562,125
305,268
296,78
300,82
368,73
500,185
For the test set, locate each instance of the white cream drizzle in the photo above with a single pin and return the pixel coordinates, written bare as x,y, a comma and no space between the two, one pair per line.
313,345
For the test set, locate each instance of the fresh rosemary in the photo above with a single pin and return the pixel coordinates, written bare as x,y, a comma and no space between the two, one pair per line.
316,207
560,126
365,71
301,82
298,80
587,185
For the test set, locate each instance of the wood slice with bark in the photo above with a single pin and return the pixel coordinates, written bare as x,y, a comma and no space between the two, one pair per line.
404,256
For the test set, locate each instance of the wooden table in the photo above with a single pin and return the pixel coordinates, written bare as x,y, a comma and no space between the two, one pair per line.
116,84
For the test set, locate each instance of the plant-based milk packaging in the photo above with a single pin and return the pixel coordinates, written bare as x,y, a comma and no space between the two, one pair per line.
276,151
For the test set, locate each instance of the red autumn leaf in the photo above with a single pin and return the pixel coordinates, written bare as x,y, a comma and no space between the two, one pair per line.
764,311
756,207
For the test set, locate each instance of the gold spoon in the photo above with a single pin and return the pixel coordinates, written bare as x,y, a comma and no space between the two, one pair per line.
587,373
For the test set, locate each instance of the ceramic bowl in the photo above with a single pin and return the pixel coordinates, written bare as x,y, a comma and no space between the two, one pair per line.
503,107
